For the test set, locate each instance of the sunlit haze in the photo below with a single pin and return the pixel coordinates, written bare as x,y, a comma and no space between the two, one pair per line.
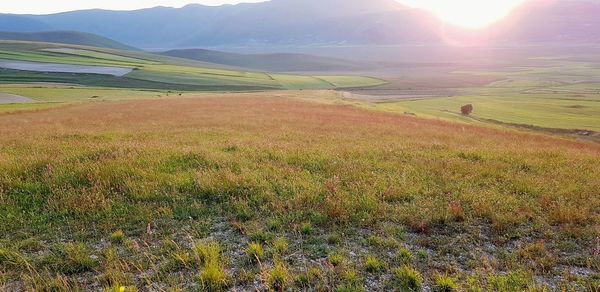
467,13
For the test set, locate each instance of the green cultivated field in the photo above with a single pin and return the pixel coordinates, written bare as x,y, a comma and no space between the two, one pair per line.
155,72
548,95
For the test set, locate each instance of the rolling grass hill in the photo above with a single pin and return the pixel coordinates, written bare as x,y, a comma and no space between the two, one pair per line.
264,191
149,71
267,62
66,37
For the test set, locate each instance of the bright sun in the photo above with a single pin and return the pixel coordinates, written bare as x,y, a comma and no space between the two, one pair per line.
468,13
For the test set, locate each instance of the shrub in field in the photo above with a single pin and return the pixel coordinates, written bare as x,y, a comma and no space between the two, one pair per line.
466,109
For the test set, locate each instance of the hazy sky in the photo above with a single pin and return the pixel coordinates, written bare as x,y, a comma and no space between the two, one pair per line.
51,6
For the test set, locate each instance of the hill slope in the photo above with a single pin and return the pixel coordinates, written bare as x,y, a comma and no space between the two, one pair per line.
267,62
336,198
65,63
66,37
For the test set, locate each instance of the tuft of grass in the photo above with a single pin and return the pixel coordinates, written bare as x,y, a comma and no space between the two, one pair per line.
11,259
278,278
404,256
537,256
76,258
115,273
280,245
47,282
30,244
274,224
373,265
117,237
255,252
382,242
512,281
212,272
444,284
336,259
334,239
177,260
213,277
407,279
207,252
350,282
261,236
306,229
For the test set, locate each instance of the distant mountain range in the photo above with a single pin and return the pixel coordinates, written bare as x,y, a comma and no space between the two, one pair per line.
314,22
281,62
66,37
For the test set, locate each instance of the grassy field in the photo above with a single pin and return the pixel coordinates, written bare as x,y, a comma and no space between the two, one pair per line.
262,191
156,72
544,94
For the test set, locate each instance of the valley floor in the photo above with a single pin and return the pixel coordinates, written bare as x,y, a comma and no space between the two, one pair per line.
274,191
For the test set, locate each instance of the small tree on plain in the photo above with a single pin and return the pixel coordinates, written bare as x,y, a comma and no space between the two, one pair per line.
466,109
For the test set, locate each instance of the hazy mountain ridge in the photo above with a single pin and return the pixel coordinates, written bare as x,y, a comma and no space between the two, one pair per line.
313,22
282,62
65,37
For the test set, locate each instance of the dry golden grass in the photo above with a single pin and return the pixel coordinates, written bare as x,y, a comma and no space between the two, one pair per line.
177,168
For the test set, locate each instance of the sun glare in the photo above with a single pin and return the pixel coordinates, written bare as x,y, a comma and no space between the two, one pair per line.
471,14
